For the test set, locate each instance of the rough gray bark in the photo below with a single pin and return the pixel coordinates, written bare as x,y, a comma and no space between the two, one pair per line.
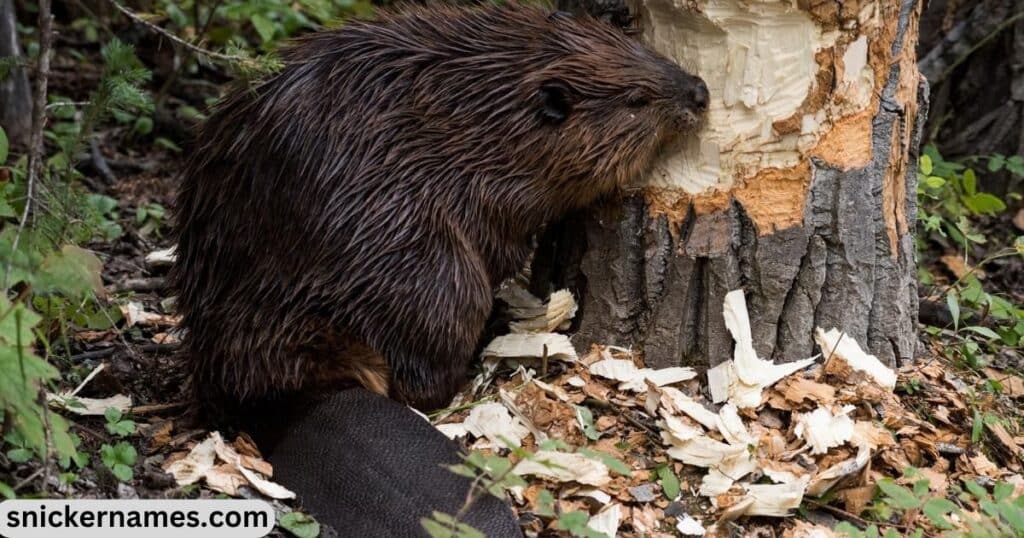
657,285
15,94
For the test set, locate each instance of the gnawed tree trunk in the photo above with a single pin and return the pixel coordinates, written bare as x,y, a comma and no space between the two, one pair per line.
15,94
800,189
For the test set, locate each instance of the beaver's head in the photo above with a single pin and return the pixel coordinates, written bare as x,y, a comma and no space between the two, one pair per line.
569,103
603,103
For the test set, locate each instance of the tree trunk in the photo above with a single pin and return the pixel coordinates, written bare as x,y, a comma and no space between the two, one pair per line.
15,94
800,189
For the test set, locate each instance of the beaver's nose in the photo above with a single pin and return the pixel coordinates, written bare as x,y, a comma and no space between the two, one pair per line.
698,96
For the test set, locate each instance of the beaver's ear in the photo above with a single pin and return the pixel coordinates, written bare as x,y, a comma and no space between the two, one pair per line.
555,101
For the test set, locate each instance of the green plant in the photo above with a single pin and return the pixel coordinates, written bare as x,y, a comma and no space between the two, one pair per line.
117,424
120,459
951,203
46,278
493,474
998,514
300,525
669,481
150,218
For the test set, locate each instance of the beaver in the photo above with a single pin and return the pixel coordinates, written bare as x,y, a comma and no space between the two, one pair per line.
346,220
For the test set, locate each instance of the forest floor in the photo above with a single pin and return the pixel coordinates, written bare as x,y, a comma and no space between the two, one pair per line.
937,444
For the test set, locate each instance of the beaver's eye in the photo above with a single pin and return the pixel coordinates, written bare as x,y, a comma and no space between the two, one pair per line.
555,101
637,100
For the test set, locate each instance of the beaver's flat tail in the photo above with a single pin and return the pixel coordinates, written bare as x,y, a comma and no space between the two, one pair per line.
368,466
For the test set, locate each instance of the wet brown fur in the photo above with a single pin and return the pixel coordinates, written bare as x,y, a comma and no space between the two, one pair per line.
348,218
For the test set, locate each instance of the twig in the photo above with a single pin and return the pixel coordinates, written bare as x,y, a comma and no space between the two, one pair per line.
100,163
166,87
158,348
1006,23
194,48
853,518
157,408
140,285
28,479
35,152
95,354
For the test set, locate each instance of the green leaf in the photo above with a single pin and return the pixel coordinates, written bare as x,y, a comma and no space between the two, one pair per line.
19,455
264,27
120,459
545,504
71,270
123,472
7,492
1002,491
143,126
899,496
573,521
112,414
121,428
977,427
937,509
983,203
1013,515
984,331
5,145
669,481
973,487
970,181
847,528
612,462
1015,165
934,182
166,143
300,525
585,418
953,303
996,162
926,165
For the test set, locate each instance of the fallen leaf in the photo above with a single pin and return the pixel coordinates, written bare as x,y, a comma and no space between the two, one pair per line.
89,406
194,466
564,467
494,422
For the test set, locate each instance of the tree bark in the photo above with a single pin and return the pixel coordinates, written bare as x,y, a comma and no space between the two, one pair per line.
800,189
15,94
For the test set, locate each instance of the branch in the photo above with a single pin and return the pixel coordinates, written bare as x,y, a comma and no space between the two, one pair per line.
982,25
194,48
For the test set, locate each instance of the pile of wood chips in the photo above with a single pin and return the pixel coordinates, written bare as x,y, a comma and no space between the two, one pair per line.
749,438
